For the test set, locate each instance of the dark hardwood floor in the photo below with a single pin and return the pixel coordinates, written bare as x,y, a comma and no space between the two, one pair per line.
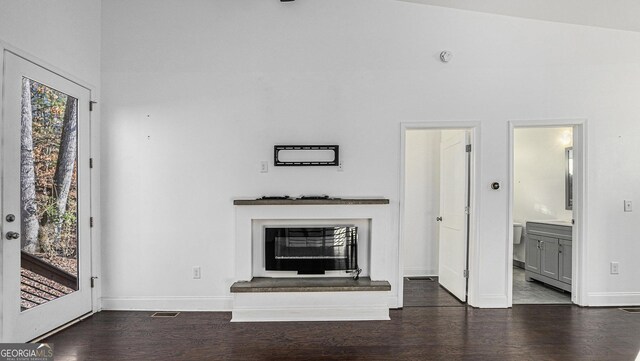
525,332
424,293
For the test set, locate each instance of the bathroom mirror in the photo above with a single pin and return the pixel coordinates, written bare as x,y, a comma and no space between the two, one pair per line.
568,178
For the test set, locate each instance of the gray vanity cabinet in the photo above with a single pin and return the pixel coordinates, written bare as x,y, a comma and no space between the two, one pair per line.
548,253
549,261
564,268
532,254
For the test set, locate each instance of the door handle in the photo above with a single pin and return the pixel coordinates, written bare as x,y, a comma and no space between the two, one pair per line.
438,219
13,235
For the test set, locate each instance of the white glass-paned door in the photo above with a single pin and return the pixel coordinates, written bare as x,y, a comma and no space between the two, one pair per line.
46,244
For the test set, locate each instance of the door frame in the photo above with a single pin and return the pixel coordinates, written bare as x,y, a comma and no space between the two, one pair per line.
579,229
94,137
472,251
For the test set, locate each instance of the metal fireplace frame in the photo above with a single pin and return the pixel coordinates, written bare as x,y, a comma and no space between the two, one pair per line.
312,264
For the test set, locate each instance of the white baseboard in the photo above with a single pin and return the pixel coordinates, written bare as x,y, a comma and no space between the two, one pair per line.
393,302
167,303
419,272
594,299
599,299
492,301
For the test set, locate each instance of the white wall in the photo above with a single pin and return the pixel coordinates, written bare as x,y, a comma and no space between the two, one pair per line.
539,176
196,93
65,34
620,14
422,202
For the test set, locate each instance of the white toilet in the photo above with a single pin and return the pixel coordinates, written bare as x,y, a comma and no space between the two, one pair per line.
517,233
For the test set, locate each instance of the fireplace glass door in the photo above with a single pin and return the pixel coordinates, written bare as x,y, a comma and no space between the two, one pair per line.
311,250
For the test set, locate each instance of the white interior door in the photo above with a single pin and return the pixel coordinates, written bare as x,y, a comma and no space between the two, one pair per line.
452,257
46,280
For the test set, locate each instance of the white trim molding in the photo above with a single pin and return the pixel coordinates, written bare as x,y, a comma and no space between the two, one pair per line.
596,299
474,128
497,300
94,137
580,203
420,272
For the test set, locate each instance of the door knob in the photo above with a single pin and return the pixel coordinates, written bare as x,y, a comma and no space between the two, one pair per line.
13,235
438,219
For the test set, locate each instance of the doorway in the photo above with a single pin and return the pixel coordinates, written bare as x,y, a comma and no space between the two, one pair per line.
46,249
545,209
435,217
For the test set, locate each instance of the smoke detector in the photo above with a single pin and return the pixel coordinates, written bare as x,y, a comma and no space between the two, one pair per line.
446,56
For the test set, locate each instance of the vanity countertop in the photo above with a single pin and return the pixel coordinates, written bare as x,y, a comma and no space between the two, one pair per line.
551,228
555,222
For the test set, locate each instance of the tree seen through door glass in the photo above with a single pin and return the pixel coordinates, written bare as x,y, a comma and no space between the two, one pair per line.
48,194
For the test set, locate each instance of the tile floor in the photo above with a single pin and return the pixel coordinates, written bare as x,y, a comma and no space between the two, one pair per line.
536,292
421,293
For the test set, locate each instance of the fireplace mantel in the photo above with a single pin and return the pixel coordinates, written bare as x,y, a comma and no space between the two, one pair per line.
301,202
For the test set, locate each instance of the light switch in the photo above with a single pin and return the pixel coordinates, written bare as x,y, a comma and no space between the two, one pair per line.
627,206
615,268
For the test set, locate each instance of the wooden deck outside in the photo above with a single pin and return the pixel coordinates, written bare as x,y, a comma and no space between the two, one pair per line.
41,282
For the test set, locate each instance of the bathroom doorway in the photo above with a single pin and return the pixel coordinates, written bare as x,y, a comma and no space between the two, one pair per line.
543,213
436,196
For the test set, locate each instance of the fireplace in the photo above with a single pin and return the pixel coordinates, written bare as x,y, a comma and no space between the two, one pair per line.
371,239
311,250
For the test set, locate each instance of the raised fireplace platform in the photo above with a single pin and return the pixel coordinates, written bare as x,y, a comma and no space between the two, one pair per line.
314,284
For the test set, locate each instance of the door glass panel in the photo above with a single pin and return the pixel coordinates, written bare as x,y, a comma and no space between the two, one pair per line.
48,194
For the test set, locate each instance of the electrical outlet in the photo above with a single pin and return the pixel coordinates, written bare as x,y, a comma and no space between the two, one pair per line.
340,167
615,268
627,206
264,166
197,272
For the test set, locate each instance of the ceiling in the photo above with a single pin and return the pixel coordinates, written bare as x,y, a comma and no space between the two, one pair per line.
614,14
